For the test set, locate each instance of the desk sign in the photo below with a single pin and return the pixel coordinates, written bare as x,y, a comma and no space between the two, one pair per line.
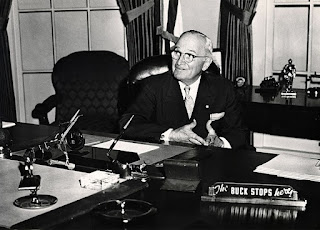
250,193
288,94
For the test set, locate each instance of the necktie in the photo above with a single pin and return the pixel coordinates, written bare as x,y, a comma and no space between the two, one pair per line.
188,101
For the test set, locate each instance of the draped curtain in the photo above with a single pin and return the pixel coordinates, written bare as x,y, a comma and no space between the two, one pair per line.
235,37
141,18
144,30
7,101
172,16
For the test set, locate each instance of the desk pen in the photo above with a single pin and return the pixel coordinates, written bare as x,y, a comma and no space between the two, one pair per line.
119,136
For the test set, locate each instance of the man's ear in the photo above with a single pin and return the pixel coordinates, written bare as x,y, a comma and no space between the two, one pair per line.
206,64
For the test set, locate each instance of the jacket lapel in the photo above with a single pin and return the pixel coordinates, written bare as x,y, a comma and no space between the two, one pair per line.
205,97
175,101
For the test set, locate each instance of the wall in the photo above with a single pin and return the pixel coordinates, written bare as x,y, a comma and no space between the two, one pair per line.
202,16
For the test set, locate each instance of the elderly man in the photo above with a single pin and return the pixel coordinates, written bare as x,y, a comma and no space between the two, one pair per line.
186,104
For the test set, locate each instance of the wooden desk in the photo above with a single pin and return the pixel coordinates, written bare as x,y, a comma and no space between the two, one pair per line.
185,210
294,117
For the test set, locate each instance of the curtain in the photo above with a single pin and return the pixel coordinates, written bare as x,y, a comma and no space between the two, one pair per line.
172,16
171,27
235,38
143,20
7,100
141,17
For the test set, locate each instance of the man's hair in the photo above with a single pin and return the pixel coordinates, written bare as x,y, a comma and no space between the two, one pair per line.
208,42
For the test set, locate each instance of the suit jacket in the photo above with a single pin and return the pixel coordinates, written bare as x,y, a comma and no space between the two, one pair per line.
160,106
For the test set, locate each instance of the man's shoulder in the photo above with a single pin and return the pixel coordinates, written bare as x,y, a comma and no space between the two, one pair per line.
158,78
216,79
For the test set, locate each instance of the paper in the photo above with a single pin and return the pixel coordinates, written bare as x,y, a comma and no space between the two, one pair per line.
99,180
128,146
290,166
6,124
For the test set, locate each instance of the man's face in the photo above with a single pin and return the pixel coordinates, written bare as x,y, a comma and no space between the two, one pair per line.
189,72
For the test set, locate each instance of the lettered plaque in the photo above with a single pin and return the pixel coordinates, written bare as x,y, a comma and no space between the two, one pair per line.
250,193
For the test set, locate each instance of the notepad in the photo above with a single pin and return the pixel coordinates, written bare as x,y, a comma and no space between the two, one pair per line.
128,146
290,166
6,124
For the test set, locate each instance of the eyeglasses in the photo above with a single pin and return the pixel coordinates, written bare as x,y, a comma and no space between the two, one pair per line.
187,57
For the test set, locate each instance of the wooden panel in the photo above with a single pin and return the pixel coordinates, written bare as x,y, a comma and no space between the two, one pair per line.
37,88
290,37
71,32
104,3
105,27
59,4
36,41
33,4
315,47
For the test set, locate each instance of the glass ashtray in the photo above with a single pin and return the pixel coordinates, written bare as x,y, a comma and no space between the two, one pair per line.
125,210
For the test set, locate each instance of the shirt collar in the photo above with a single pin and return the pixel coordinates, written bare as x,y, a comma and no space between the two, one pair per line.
193,88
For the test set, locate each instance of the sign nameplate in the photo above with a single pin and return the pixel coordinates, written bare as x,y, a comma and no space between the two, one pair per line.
251,193
248,190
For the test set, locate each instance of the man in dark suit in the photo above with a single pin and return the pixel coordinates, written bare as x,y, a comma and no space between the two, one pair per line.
186,104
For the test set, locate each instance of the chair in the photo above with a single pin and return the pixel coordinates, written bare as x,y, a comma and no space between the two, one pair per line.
90,81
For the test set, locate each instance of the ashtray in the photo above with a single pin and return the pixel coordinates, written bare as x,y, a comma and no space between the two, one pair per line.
125,210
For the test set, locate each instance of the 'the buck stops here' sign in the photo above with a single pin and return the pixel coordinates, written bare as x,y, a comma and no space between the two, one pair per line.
266,194
251,190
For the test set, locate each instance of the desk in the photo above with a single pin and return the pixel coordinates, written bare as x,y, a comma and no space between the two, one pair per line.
184,210
294,117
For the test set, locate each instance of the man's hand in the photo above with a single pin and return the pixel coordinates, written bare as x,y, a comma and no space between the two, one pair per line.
212,139
185,134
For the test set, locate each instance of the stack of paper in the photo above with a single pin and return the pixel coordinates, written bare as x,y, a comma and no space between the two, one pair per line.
128,146
290,166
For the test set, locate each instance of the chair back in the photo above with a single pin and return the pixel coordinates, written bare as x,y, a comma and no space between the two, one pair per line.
90,81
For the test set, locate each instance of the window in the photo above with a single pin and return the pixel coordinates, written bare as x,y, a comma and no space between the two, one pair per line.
296,35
